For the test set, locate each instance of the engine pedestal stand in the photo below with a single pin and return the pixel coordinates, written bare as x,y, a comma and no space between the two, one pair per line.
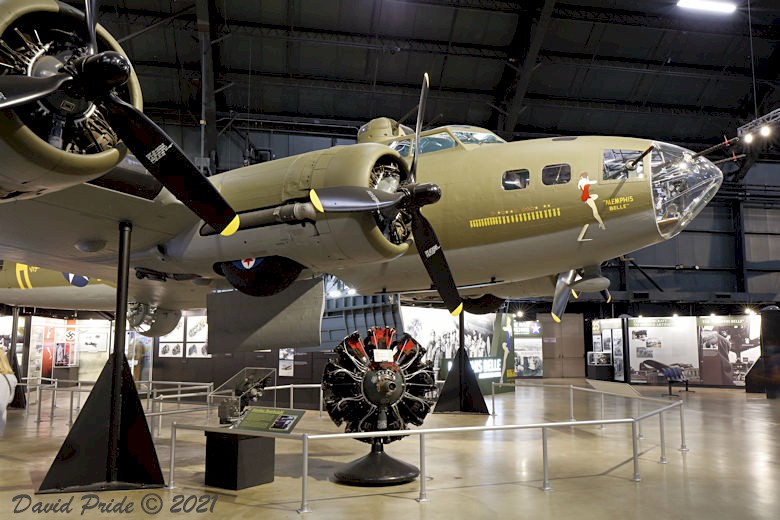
376,469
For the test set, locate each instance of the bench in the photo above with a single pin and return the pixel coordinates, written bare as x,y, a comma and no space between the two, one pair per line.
674,375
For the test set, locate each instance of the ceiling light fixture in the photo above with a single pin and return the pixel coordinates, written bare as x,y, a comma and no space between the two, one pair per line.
748,138
765,131
708,5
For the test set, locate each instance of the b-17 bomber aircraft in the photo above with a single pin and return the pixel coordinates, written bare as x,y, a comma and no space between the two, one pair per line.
452,214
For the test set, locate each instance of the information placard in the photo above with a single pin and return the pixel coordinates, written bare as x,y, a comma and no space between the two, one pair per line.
270,419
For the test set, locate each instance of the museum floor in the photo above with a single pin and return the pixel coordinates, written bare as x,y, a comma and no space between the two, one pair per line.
731,471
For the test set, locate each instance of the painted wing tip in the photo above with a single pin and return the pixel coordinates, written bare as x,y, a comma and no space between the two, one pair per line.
232,227
555,318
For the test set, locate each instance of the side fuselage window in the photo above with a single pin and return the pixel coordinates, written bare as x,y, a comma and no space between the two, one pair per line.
618,164
556,174
515,179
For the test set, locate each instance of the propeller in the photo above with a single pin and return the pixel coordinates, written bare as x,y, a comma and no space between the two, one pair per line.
93,76
410,197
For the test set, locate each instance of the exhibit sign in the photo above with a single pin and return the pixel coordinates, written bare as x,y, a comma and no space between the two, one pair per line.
277,420
658,343
484,368
608,335
286,362
528,349
728,348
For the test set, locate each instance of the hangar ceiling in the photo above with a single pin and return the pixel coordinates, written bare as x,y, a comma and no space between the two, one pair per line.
523,68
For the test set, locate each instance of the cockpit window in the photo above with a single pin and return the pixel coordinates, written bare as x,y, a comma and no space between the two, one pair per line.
476,137
618,164
556,174
404,147
428,144
515,179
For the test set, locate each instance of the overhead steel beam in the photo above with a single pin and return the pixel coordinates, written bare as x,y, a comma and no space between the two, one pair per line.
516,94
631,108
638,66
734,26
208,117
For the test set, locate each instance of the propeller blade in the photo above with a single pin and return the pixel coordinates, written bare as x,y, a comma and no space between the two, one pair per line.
418,128
168,164
90,6
562,293
434,261
343,199
18,90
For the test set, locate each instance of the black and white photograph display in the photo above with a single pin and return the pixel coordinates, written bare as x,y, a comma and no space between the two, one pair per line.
437,331
728,347
528,349
658,343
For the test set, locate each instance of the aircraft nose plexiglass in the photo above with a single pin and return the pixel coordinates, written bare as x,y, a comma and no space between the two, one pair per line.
682,185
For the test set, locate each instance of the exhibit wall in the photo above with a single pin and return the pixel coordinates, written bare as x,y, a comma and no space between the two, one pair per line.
711,350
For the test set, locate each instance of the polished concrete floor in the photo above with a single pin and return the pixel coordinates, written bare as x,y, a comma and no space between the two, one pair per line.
731,471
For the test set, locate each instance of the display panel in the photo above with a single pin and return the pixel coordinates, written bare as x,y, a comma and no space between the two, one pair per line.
658,343
528,349
728,347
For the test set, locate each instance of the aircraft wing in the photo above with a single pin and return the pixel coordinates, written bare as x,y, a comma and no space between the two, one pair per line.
45,231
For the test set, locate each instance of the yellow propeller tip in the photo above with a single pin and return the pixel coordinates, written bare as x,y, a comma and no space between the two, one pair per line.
555,318
315,200
574,293
458,310
427,80
609,300
231,228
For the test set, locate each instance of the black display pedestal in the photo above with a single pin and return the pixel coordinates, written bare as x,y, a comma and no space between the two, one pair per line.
600,372
376,469
238,461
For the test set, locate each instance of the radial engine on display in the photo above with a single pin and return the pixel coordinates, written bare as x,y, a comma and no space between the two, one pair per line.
381,384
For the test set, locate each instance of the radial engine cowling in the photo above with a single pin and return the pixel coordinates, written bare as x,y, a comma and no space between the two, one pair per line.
61,140
273,196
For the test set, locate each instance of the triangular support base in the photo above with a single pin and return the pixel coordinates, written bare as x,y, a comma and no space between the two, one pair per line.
82,462
461,392
376,469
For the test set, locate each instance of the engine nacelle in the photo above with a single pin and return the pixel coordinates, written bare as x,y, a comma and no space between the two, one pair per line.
151,321
278,219
59,141
261,276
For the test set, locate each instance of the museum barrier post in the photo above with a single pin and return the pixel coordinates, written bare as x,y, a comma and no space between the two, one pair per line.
423,490
545,462
305,477
173,455
571,403
683,447
602,411
635,446
663,438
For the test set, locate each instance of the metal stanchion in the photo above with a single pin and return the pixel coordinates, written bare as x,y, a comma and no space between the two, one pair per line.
602,411
40,398
423,493
292,392
159,417
663,438
683,447
54,395
322,399
178,396
70,410
638,412
173,455
635,445
571,403
305,477
53,401
78,397
546,484
493,399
